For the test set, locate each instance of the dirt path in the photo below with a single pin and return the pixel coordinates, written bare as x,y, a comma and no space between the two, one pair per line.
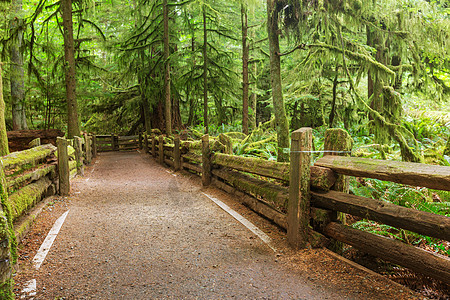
135,231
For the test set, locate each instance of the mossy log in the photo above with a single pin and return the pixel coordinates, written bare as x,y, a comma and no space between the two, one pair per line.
236,135
21,180
254,204
227,142
192,157
276,195
416,259
26,197
194,167
72,165
169,147
415,174
31,156
321,178
425,223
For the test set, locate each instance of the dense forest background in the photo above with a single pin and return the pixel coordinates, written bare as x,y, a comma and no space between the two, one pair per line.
379,69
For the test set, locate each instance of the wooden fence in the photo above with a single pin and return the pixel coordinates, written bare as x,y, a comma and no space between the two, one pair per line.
29,176
309,201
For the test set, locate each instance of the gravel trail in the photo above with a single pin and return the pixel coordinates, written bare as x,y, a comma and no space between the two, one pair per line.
136,231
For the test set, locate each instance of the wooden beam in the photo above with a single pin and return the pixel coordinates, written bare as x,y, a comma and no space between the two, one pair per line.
206,161
63,167
415,174
384,212
416,259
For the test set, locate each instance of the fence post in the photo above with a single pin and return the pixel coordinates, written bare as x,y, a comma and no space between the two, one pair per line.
6,242
154,145
77,144
94,146
341,143
161,149
87,141
112,142
299,192
63,166
140,140
176,154
145,142
206,161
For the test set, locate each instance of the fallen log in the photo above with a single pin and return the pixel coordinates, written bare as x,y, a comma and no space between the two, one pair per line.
416,259
19,140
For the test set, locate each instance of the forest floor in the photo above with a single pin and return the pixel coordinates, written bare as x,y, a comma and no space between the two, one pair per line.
135,230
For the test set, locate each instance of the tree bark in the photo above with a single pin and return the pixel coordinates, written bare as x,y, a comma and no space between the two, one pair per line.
245,83
168,103
73,126
17,75
4,150
282,126
205,73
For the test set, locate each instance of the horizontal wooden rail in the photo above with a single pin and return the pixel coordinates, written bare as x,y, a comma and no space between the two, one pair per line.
415,174
321,178
384,212
277,195
31,156
397,252
127,138
23,179
193,167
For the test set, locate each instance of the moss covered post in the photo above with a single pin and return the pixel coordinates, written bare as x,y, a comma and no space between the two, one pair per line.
299,192
94,146
140,140
145,142
154,145
161,149
7,242
63,166
78,146
87,141
206,161
177,153
338,142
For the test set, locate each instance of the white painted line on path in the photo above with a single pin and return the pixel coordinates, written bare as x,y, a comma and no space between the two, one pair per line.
48,242
264,237
30,289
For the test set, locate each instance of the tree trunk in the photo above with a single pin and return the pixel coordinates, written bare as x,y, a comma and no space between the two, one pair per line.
190,98
73,126
168,103
205,73
253,99
4,150
333,103
17,75
282,126
245,83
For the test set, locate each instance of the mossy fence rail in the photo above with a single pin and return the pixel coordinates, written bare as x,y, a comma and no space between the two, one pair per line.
310,202
27,177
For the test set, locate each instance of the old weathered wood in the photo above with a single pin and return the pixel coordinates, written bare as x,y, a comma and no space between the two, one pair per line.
206,161
177,153
321,178
260,207
276,195
77,144
193,167
154,146
140,141
145,142
161,149
14,183
192,157
27,196
19,140
94,146
88,154
425,223
299,191
416,259
63,167
34,143
415,174
31,156
226,141
168,153
134,138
